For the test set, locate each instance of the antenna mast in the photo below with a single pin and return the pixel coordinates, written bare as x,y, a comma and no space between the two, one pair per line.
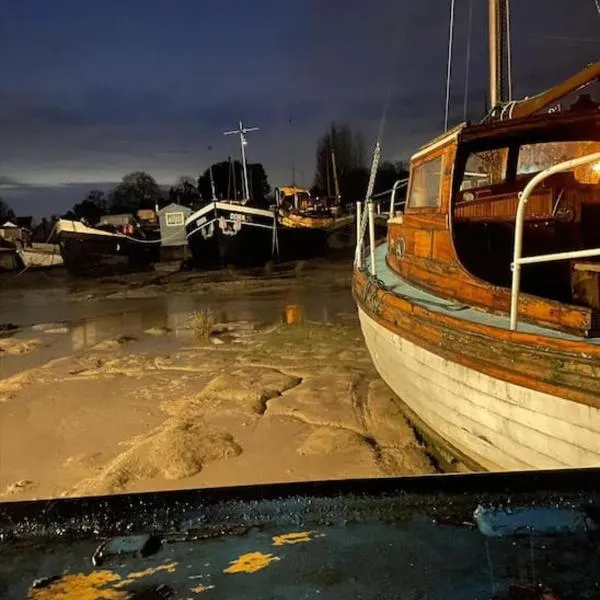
242,131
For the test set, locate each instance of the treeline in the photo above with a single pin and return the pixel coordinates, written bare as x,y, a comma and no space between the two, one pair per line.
340,156
344,148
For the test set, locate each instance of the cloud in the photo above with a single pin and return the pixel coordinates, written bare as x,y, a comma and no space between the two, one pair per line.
90,93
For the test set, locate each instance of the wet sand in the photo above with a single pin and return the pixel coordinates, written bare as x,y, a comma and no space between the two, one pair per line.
204,380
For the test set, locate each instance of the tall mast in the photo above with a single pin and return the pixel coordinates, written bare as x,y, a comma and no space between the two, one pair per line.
242,131
494,22
499,51
335,176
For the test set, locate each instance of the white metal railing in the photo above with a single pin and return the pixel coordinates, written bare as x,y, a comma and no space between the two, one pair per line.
397,185
365,220
518,259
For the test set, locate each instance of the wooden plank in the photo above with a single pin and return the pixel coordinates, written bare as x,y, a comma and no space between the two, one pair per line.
422,248
443,247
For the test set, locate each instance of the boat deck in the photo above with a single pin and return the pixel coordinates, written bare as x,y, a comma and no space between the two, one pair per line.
402,288
388,538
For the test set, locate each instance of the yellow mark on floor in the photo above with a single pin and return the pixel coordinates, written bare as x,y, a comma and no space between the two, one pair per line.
202,588
251,562
82,587
293,538
167,567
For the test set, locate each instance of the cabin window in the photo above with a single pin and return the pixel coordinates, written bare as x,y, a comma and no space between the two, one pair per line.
485,168
425,184
175,219
534,158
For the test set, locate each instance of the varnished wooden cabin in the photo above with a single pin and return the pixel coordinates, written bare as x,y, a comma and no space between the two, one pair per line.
435,317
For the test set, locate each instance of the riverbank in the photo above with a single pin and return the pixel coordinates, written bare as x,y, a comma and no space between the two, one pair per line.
281,389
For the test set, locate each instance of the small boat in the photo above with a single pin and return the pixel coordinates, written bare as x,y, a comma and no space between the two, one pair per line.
106,249
232,232
482,309
307,224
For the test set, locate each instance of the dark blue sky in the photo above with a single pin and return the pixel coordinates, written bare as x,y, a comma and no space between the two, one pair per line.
92,90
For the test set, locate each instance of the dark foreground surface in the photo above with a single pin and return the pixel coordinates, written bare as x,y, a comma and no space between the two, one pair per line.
460,536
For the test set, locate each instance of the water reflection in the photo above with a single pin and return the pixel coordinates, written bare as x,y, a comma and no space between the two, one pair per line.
293,314
173,316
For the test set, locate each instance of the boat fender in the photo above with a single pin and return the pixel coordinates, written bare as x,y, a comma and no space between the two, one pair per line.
505,522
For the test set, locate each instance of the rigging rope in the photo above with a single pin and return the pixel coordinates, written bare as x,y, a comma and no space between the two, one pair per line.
449,72
597,3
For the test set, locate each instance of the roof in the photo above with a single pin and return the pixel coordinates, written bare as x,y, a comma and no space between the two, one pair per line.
174,207
9,225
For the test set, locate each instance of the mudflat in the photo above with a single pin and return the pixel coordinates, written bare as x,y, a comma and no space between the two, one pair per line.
247,380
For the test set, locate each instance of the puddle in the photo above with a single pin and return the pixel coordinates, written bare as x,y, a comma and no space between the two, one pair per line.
163,321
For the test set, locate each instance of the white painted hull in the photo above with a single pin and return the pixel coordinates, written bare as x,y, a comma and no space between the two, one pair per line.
499,425
41,260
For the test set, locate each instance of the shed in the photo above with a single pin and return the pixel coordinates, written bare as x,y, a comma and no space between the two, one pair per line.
172,224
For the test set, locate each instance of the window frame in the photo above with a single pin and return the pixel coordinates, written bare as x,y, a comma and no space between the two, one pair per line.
441,156
177,214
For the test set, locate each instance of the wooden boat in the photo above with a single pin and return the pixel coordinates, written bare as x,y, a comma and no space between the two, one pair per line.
104,250
231,233
434,301
307,223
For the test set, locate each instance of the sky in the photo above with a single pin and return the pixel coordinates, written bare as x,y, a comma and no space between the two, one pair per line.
92,90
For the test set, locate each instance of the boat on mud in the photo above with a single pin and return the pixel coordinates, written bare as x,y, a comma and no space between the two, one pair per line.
307,224
525,536
108,248
482,309
231,233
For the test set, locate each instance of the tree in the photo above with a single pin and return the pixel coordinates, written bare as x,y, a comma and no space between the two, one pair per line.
137,190
228,181
91,209
185,192
348,149
6,212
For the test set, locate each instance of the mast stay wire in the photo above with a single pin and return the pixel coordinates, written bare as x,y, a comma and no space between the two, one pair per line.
449,70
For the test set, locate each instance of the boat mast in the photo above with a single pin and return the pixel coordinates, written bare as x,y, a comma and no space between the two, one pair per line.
336,183
242,131
499,51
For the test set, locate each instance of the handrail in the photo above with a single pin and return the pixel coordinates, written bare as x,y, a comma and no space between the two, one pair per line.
518,259
398,184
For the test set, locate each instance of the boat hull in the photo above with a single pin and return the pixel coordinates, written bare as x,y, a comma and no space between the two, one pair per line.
222,234
304,237
504,400
493,423
92,253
